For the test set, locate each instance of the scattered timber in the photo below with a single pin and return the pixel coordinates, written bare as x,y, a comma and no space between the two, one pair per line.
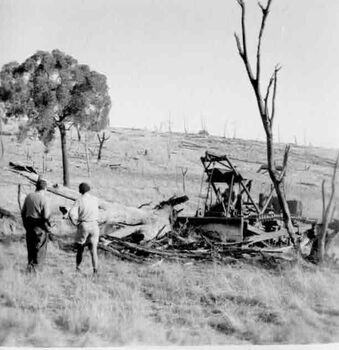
174,246
191,145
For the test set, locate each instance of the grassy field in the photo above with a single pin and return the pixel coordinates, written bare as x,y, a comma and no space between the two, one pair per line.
162,303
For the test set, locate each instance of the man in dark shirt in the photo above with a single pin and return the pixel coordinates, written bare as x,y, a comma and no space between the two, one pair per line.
35,216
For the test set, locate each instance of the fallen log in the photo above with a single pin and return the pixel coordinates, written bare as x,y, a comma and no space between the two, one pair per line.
32,177
173,201
151,251
122,256
22,167
150,222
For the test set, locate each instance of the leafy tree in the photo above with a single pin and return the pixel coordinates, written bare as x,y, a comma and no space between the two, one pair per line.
11,94
55,92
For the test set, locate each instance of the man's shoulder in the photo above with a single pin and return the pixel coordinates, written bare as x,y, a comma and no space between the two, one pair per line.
90,198
31,196
94,198
36,196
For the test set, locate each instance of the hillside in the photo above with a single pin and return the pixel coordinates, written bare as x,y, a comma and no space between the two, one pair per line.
162,303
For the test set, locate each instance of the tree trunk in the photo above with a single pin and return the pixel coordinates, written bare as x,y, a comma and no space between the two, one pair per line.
321,246
102,139
279,189
44,162
87,156
78,132
324,241
279,186
65,167
101,143
1,141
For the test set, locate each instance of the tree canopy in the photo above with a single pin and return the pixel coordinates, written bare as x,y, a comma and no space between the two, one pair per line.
54,91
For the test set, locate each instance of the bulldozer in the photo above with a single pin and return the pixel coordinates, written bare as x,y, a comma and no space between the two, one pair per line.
230,214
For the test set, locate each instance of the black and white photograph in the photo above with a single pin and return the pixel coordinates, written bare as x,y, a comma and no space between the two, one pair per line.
169,173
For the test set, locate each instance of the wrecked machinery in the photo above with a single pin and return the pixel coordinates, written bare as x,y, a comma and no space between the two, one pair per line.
231,215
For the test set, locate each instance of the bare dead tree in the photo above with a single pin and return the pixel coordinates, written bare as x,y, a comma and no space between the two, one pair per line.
266,106
225,128
87,155
185,126
169,121
203,131
169,148
1,141
102,139
183,173
77,128
325,238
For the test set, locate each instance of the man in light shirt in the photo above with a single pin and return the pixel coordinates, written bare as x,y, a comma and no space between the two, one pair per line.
35,216
84,214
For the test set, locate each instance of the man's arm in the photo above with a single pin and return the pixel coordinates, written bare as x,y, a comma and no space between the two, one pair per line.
46,215
73,213
46,211
23,212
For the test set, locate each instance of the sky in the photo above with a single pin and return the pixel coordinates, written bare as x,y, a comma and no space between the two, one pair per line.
175,61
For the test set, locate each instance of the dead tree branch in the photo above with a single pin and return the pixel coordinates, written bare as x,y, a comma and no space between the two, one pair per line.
102,139
275,74
323,195
285,162
265,11
1,141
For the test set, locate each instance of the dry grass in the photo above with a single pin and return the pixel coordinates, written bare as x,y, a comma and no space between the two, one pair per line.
163,303
60,307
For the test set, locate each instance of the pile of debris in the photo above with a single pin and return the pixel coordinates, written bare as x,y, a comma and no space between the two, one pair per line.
187,244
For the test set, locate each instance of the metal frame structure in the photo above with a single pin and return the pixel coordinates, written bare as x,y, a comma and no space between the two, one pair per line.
219,170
